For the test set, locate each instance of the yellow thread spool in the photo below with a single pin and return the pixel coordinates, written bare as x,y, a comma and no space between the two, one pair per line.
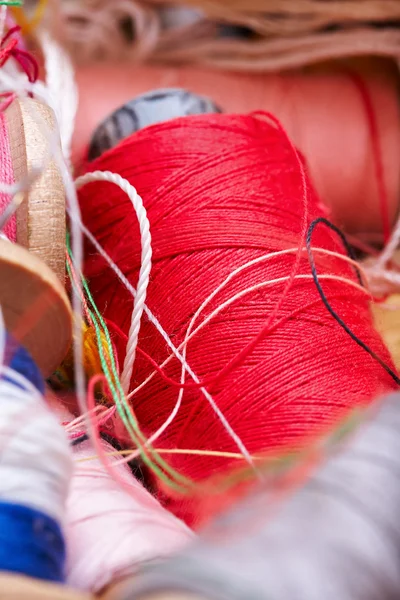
387,322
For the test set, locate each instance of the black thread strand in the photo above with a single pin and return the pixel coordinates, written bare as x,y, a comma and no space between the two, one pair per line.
324,298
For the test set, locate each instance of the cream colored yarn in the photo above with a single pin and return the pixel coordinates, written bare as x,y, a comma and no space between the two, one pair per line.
282,33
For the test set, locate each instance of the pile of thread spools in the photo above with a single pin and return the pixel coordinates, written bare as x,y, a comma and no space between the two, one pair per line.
215,264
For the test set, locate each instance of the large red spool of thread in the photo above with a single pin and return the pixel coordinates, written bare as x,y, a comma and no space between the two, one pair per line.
221,191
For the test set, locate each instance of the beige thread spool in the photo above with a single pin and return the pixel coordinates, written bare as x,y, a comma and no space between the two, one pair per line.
41,216
35,306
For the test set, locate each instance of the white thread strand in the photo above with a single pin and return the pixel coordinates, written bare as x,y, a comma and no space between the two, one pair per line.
242,448
231,275
191,334
389,249
60,81
36,463
145,267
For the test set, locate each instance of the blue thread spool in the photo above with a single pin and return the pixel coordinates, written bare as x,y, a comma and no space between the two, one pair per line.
31,541
20,360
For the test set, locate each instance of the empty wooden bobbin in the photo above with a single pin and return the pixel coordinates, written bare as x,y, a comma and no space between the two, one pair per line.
40,219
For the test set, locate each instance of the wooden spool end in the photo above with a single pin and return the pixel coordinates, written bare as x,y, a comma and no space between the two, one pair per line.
41,217
17,587
125,590
35,306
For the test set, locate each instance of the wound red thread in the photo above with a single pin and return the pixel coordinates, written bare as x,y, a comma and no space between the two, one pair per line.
221,190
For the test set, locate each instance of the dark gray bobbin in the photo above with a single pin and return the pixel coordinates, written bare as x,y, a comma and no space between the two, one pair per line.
153,107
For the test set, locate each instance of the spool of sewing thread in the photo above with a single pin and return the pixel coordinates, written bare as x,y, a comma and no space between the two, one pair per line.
114,525
337,537
216,209
39,222
35,470
324,113
35,307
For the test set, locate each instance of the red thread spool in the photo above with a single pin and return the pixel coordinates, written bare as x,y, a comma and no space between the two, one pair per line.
221,191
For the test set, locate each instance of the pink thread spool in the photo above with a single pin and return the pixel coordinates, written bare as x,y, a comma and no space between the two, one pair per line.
322,112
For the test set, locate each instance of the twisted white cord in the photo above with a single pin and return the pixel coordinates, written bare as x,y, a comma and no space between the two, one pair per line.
145,268
153,319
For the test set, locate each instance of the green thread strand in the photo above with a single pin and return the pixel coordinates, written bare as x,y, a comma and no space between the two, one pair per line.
121,409
118,394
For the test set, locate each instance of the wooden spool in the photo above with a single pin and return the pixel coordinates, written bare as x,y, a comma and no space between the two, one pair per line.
17,587
35,307
125,590
41,216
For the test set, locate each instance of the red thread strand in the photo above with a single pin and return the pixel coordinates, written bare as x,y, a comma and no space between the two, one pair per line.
25,59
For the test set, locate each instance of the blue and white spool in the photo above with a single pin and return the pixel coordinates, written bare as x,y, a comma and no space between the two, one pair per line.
35,469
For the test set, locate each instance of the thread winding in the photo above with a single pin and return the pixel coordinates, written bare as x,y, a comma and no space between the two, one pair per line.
275,365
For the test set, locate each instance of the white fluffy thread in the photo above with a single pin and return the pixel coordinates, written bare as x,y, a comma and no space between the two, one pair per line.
36,461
